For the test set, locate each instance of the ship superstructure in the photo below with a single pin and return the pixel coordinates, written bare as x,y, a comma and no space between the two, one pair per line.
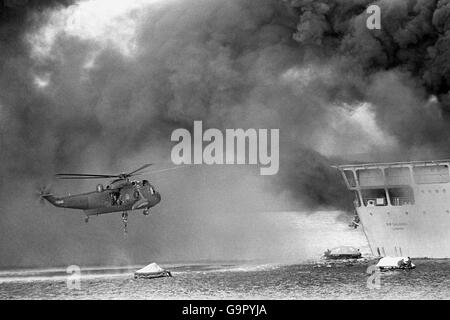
404,207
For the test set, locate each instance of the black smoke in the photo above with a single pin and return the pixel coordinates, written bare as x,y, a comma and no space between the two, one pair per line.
400,67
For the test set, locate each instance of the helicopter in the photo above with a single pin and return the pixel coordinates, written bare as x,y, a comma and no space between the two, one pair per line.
121,195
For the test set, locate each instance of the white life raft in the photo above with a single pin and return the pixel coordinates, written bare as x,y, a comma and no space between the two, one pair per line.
395,263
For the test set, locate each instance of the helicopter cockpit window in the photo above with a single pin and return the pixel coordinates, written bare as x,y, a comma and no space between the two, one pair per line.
115,198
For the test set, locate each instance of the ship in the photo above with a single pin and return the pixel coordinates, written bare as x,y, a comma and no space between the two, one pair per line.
403,207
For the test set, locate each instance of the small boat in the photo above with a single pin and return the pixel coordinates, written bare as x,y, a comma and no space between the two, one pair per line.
151,271
343,252
395,263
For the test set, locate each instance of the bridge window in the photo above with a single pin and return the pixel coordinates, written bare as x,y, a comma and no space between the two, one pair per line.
401,196
370,177
350,177
374,197
397,176
431,174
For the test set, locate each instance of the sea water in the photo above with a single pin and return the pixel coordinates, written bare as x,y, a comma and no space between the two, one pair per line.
303,276
430,280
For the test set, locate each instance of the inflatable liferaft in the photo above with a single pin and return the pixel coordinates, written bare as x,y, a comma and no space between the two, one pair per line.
395,263
343,252
151,271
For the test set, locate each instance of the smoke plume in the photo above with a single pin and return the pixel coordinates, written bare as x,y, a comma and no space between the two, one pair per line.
401,69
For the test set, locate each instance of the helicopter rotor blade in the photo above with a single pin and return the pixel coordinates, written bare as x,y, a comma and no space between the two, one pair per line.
84,178
86,175
139,169
72,176
162,170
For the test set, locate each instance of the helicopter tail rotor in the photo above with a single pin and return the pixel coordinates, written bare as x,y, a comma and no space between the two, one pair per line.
42,192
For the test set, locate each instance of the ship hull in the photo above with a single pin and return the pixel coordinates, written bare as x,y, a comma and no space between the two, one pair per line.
401,211
420,230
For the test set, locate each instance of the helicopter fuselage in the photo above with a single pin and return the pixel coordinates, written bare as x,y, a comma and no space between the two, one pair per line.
120,195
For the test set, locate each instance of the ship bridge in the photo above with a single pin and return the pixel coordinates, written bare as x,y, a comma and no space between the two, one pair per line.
404,206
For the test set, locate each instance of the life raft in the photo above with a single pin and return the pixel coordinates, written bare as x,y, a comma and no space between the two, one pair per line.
151,271
395,263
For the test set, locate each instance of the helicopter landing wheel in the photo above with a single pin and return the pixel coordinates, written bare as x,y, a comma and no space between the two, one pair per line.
86,219
146,212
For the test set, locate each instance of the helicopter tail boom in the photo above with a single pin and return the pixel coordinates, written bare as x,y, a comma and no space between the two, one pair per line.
53,200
